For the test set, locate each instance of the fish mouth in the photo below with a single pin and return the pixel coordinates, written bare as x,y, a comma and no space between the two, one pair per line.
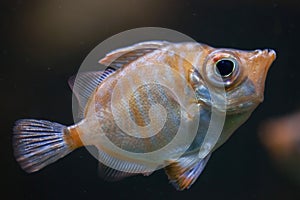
267,56
270,53
257,74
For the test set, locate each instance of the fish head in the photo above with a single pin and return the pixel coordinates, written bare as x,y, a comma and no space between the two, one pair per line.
239,74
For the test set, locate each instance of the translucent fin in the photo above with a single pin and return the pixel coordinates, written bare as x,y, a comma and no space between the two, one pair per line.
38,143
86,83
110,174
124,56
185,171
125,167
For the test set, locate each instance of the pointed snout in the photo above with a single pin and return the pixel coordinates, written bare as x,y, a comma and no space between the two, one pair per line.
270,53
263,59
266,54
260,62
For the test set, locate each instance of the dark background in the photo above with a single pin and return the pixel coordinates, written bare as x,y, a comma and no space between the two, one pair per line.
42,43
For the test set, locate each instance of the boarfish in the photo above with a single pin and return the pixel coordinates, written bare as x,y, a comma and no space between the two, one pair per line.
155,106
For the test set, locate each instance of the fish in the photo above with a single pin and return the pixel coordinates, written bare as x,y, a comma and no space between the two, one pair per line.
280,136
156,105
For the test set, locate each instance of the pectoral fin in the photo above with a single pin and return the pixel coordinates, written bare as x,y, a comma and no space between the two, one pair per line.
183,172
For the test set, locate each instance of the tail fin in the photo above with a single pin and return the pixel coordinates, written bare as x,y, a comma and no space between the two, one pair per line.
38,143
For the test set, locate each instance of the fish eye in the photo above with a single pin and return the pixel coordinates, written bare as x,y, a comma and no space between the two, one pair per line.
225,67
222,68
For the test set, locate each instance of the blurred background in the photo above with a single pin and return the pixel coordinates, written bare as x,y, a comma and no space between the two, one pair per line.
43,43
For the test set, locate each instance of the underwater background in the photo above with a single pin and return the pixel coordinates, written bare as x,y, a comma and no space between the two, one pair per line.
43,43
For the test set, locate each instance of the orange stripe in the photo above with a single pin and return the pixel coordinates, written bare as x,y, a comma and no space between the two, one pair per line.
72,137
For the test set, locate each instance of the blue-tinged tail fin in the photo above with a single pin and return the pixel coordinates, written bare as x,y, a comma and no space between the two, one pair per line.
38,143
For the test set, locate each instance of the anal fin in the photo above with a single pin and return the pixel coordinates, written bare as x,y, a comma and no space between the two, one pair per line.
126,168
183,172
110,174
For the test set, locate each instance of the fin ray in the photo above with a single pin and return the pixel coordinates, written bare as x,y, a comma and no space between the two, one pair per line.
183,172
110,174
85,84
126,166
38,143
123,56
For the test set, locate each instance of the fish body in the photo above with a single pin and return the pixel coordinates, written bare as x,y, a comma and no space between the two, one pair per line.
154,106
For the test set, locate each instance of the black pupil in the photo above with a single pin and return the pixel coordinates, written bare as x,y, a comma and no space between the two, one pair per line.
225,67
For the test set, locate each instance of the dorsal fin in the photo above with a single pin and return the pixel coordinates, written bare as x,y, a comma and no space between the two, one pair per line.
71,80
124,56
183,172
86,83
